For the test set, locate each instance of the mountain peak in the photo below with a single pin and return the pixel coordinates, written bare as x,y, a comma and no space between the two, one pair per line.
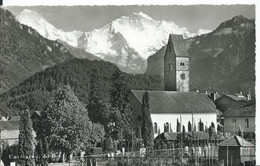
30,14
141,14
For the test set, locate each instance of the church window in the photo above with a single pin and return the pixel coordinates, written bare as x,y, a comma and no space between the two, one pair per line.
182,64
247,123
170,66
183,76
155,127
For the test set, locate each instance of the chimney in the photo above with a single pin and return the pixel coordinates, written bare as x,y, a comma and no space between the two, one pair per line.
241,93
215,96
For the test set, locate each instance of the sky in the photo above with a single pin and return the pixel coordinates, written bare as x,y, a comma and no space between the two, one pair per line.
88,18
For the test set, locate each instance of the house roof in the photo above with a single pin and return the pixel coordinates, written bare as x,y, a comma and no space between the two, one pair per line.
161,102
248,110
237,97
236,140
168,136
179,46
226,102
9,125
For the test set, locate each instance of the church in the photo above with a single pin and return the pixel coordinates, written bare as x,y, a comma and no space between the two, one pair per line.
176,104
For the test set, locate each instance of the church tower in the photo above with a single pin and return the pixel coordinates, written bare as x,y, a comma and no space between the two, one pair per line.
176,65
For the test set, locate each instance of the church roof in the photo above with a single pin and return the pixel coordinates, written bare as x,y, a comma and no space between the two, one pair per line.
236,140
176,102
179,45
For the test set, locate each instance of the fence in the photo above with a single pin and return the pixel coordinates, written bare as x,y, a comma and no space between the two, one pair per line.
199,156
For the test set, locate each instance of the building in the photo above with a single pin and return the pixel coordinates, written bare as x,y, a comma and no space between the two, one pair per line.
241,119
176,103
236,151
9,132
176,65
168,107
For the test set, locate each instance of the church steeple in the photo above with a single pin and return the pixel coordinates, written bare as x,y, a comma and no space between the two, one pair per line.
176,65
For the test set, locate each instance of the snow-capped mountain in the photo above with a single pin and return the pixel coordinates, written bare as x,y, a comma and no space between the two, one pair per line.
127,41
47,30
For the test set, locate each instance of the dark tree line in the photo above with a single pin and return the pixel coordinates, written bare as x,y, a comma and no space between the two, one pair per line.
34,92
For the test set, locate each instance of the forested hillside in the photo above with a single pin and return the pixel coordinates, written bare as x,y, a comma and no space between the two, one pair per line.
23,51
35,92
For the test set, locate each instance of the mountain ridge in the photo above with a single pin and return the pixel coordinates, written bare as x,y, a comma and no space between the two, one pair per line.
223,53
131,53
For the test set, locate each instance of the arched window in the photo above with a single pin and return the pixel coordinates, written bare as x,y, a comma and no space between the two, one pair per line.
182,64
155,127
170,66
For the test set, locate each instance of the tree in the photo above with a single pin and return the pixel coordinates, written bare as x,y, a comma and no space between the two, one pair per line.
121,113
96,107
97,133
65,122
147,127
39,152
42,150
178,127
26,140
201,126
183,134
109,145
212,132
212,125
189,126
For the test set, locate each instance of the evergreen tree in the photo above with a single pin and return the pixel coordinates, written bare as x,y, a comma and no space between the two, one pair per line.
189,126
147,128
39,152
183,134
65,122
96,107
201,126
212,125
120,105
26,141
178,127
109,145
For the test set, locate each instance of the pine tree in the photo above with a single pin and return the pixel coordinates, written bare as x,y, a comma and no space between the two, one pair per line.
96,107
147,128
65,122
183,134
120,104
178,127
39,152
201,126
26,140
189,126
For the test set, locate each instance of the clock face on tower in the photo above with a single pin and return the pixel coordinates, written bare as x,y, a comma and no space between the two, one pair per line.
182,76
